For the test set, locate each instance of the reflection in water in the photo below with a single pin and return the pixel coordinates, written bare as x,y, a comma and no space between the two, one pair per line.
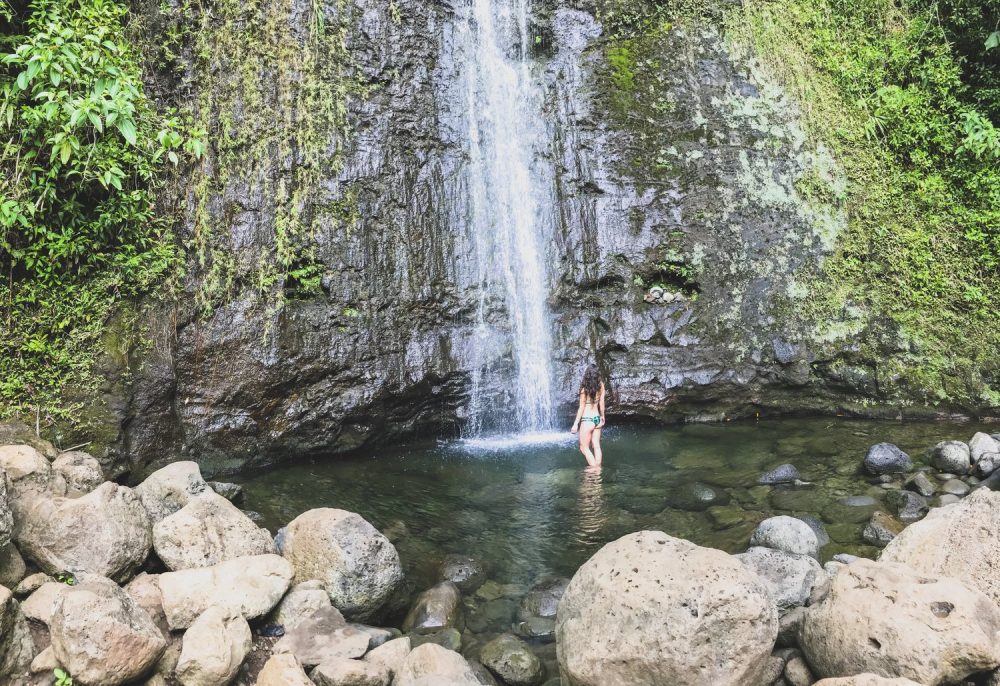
591,516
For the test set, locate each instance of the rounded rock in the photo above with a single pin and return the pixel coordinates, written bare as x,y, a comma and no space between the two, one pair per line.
789,534
886,458
359,567
716,620
951,456
511,660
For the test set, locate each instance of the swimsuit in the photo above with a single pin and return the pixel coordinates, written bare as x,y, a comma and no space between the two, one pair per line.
596,419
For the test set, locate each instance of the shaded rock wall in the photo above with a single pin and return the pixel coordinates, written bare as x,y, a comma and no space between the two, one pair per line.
692,181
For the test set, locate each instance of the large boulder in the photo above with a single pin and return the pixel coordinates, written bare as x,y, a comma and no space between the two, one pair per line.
359,567
435,608
789,534
886,458
887,619
325,635
207,531
100,635
75,473
213,649
431,665
16,645
789,578
715,621
167,490
390,655
248,586
105,532
951,456
961,540
26,468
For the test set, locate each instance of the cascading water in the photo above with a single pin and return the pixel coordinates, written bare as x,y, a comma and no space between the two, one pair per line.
510,207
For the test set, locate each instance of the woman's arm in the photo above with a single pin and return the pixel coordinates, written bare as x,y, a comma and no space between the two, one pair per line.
579,413
600,406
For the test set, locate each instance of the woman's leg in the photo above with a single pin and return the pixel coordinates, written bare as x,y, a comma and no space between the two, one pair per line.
595,439
585,432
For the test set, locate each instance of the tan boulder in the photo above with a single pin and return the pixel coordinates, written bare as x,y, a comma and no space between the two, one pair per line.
144,589
75,473
100,635
391,655
887,619
342,671
283,670
300,603
170,488
431,665
866,680
358,566
40,605
105,532
26,468
6,514
206,531
248,586
322,637
961,540
715,622
213,649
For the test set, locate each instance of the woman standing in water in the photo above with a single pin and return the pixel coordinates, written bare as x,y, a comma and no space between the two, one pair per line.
591,413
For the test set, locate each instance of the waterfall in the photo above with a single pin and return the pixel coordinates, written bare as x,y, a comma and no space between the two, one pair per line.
510,210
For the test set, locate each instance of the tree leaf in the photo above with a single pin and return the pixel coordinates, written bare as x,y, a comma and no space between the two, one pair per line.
993,40
127,129
65,150
22,80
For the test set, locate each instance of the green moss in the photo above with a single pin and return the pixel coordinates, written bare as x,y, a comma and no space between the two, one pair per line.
879,88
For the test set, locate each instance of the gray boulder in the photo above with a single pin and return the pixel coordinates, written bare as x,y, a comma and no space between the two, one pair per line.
951,456
16,644
324,636
881,529
213,649
789,578
789,534
919,483
886,458
359,567
465,572
74,474
907,505
983,445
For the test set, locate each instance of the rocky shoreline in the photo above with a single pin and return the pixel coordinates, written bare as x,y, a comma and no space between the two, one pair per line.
170,582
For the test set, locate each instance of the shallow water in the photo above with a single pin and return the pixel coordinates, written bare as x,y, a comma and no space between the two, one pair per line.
528,508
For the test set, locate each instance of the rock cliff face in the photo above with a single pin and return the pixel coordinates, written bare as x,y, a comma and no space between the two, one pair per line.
674,162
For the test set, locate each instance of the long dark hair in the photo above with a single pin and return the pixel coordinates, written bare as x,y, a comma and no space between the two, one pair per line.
591,381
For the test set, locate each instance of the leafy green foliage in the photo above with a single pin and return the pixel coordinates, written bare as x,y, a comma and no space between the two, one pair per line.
882,83
81,149
62,678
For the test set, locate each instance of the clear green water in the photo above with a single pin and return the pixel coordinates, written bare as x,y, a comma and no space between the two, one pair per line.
529,510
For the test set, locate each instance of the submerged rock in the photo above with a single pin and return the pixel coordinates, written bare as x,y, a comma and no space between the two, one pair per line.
465,572
783,474
511,660
888,619
358,565
881,529
717,620
436,608
907,505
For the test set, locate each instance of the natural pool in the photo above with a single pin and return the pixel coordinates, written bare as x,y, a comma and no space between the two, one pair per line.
529,509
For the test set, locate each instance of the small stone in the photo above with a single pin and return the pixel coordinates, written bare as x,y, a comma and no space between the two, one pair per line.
32,583
231,492
783,474
919,483
343,671
907,505
955,487
946,499
797,673
449,638
465,572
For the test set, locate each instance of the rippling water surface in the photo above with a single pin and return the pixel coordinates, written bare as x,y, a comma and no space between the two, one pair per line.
527,507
